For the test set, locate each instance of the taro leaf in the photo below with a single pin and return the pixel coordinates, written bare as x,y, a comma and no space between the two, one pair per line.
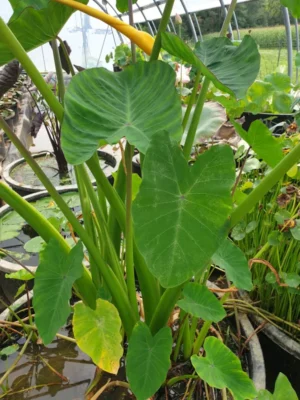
35,25
212,118
259,93
21,289
136,103
282,103
97,333
201,303
148,360
9,350
136,183
251,227
292,279
279,81
222,369
262,142
181,212
251,164
10,226
35,245
283,390
274,238
122,5
54,277
231,69
293,6
21,275
296,231
233,261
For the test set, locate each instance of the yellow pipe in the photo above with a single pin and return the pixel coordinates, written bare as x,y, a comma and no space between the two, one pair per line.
142,39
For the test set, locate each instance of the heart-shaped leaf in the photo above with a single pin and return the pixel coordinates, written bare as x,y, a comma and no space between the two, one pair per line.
122,5
54,278
293,6
201,303
283,390
21,275
222,369
135,103
148,360
35,23
181,212
231,68
234,262
97,333
262,142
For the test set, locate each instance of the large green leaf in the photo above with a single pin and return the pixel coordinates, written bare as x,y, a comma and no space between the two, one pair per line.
36,24
222,369
122,5
213,116
234,262
148,360
293,6
181,212
201,303
283,390
98,334
136,103
231,68
262,142
54,278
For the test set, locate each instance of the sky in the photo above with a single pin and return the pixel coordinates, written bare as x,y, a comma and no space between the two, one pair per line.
99,44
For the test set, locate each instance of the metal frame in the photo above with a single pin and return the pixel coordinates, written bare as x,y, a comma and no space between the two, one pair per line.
198,26
287,23
190,20
105,10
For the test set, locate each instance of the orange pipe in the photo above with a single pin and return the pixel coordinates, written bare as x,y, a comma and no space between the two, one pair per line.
141,39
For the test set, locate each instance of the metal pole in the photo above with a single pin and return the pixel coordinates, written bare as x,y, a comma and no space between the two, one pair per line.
289,41
105,10
297,45
190,21
198,26
172,25
225,13
236,25
148,23
154,27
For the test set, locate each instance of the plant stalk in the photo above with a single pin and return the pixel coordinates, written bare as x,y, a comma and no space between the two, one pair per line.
129,230
191,101
187,148
228,18
267,183
162,27
59,71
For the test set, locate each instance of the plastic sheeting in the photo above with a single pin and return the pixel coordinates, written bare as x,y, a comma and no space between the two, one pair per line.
91,40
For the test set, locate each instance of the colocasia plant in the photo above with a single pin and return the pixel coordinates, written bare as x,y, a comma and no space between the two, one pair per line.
178,223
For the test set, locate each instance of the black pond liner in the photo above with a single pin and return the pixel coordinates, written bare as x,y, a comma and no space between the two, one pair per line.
269,120
14,173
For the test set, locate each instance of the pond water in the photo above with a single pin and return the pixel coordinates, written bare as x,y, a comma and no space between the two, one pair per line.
23,174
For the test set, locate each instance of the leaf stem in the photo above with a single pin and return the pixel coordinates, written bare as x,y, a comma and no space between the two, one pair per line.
187,148
267,183
162,27
191,100
228,18
14,45
148,283
129,230
59,71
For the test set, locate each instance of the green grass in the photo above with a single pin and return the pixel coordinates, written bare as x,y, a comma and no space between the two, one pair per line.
271,59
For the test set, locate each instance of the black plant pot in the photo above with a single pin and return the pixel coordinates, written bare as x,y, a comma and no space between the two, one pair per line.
269,120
